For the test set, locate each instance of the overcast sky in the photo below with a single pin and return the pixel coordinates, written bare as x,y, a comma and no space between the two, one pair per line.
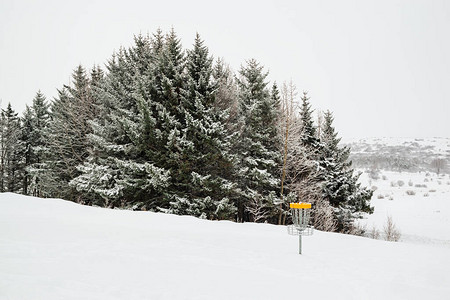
382,67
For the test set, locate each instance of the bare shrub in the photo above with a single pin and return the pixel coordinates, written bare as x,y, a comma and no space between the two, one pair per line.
432,191
374,173
400,183
393,183
439,164
384,177
380,196
324,216
426,195
410,183
374,233
391,198
258,209
421,186
286,122
390,231
425,180
357,229
410,192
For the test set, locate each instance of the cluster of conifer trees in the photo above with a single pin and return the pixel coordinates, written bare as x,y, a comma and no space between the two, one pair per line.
167,129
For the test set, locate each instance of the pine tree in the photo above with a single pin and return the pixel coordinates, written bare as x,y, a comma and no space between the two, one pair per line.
158,141
308,136
59,138
340,186
226,94
203,186
256,150
34,137
157,43
122,169
40,121
97,76
10,150
26,134
67,141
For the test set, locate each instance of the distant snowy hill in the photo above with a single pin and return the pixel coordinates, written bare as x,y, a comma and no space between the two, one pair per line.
399,154
402,173
54,249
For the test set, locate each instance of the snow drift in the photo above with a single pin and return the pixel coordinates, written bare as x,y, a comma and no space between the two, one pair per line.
54,249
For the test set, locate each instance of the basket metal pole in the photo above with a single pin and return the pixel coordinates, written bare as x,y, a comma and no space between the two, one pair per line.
299,244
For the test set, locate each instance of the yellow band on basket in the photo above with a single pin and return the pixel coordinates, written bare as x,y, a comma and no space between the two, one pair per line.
300,205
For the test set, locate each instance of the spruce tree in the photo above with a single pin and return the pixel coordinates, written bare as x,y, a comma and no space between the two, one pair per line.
68,131
58,163
98,181
158,141
203,184
10,151
226,94
26,134
122,169
308,136
34,138
340,183
258,157
40,120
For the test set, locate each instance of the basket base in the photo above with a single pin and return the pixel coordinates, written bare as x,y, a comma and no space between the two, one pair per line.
293,230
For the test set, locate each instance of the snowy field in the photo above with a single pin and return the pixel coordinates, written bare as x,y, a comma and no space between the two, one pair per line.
419,204
54,249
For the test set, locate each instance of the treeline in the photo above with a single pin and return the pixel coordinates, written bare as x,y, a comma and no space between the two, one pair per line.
172,130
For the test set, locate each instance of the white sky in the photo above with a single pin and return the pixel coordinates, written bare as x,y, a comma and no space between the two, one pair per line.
382,67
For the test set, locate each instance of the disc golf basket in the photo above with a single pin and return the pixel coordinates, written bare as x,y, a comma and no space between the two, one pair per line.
300,217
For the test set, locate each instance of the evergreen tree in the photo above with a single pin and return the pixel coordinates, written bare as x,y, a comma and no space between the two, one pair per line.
204,171
157,42
10,151
36,141
308,137
68,130
164,107
122,169
27,131
340,184
97,76
226,94
157,119
256,150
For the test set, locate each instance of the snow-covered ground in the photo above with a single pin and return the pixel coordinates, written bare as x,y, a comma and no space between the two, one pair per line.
54,249
419,204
